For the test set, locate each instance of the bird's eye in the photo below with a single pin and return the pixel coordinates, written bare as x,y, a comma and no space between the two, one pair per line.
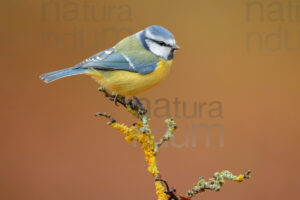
161,43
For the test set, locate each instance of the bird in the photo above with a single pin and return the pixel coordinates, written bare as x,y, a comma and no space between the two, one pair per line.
135,64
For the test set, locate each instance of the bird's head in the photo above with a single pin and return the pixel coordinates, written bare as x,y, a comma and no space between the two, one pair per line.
159,41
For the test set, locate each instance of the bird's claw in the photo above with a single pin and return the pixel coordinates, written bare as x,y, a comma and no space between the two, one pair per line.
116,99
139,103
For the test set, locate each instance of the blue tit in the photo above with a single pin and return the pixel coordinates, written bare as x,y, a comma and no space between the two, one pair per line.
135,64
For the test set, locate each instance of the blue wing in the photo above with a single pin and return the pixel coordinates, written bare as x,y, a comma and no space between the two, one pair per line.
110,59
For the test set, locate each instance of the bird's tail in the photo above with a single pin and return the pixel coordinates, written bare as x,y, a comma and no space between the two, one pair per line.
52,76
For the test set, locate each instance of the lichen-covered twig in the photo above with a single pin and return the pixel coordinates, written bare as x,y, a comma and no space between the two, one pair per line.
170,192
116,98
112,120
216,182
168,135
141,133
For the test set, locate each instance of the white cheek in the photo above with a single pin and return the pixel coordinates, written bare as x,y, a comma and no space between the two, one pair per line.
158,50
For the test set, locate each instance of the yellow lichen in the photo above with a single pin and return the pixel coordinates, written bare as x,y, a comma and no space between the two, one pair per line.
160,191
147,142
129,109
240,178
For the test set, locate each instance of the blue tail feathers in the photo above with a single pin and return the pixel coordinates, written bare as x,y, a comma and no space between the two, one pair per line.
52,76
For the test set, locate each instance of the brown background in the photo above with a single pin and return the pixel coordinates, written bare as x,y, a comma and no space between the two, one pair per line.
53,148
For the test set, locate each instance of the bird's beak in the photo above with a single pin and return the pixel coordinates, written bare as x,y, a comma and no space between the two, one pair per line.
176,47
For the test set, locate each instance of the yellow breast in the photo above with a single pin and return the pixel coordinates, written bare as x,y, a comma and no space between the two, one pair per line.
130,83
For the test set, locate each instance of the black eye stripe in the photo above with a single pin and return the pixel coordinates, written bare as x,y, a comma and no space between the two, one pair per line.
161,43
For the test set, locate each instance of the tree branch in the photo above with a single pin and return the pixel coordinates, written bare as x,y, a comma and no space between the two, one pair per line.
141,133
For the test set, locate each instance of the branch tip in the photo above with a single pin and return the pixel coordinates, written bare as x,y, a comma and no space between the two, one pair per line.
108,116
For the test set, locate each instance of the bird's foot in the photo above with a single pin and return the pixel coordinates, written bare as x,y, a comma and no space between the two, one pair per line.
116,98
138,103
